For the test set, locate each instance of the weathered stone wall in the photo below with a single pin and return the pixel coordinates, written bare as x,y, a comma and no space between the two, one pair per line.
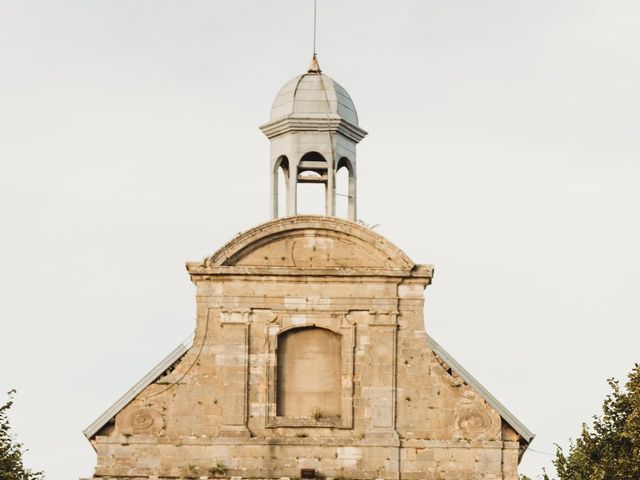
403,413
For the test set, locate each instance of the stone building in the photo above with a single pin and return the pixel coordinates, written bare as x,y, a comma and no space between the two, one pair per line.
310,357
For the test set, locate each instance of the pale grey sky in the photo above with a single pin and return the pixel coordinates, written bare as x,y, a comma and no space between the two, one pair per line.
503,147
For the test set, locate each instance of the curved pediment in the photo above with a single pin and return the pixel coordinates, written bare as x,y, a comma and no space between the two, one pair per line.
311,242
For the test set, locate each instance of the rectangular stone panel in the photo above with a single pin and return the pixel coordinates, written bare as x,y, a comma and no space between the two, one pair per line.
233,363
383,341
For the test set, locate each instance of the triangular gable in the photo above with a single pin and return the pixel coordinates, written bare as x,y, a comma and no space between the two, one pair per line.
145,381
469,379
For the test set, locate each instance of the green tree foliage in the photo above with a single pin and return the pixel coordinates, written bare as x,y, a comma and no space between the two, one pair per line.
11,466
610,448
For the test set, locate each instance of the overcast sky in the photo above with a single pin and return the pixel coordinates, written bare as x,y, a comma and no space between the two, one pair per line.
503,147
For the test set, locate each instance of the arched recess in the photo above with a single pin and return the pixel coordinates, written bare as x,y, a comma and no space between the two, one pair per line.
350,190
312,171
280,187
309,371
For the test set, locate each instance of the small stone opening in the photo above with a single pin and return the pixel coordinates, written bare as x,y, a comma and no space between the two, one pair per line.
307,473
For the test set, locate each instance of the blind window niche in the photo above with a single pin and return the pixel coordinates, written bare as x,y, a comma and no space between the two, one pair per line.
309,373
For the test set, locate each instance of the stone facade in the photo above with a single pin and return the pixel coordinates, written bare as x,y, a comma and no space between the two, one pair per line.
310,352
310,357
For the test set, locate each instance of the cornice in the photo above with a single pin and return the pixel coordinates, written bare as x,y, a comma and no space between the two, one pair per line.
326,123
199,270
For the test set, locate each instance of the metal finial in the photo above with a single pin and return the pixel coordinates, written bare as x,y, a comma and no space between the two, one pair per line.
314,67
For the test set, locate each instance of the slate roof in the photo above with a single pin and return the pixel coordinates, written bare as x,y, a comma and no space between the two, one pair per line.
313,95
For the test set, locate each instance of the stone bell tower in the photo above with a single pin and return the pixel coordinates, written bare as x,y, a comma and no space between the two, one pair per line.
310,357
314,132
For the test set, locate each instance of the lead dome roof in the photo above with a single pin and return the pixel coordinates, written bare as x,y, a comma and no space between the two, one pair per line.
313,95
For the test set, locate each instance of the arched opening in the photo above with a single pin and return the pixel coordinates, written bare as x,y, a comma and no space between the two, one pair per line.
313,157
309,373
280,186
345,189
312,172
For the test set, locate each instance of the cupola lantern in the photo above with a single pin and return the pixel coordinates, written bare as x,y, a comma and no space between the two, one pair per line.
313,131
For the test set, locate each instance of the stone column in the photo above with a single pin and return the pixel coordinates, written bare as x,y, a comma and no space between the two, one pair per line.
274,193
330,189
353,214
292,189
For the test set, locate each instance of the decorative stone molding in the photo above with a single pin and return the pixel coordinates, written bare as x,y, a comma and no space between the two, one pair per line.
237,316
144,421
474,421
334,124
270,231
336,323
